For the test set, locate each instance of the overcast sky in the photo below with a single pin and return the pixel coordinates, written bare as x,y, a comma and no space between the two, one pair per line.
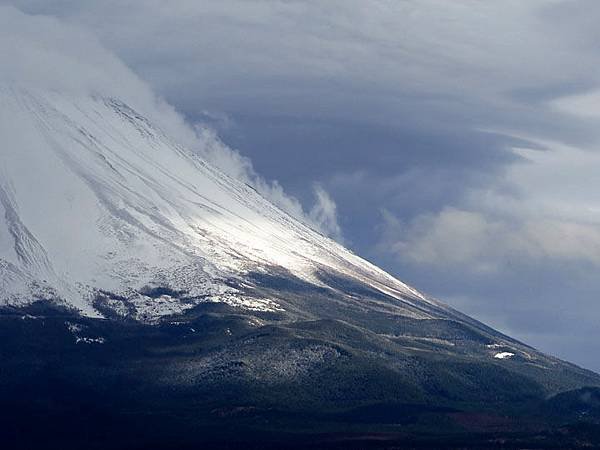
454,143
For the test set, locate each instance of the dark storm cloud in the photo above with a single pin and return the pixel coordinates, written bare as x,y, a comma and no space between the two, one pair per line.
458,139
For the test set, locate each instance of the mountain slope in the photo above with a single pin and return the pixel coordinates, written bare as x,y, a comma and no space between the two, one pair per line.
97,199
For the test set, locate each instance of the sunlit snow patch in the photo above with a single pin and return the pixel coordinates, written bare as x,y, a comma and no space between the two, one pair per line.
76,331
249,303
504,355
494,345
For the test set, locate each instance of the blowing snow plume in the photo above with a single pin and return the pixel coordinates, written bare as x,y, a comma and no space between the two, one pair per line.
45,53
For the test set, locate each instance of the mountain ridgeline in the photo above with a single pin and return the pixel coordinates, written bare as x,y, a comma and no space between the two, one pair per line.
149,300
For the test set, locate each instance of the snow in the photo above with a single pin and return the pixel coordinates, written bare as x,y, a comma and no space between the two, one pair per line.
77,331
494,345
87,340
504,355
93,198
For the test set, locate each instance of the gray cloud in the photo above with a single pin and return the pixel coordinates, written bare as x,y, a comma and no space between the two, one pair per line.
483,244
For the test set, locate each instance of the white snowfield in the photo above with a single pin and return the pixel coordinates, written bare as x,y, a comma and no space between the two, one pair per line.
504,355
95,198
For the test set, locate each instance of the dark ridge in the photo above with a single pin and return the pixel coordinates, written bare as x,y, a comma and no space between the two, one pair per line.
39,308
155,292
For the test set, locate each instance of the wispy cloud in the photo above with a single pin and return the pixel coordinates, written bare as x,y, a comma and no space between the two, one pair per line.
324,213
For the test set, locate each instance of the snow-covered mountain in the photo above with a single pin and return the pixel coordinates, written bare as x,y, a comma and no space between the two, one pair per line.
97,203
219,302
